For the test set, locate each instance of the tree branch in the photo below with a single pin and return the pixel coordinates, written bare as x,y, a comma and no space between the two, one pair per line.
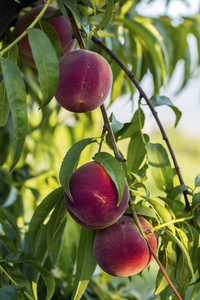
143,95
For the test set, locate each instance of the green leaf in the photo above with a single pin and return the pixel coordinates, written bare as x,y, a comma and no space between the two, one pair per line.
197,215
11,221
55,231
51,33
85,14
145,211
94,6
173,194
107,15
154,69
136,151
40,214
163,100
196,207
196,200
4,105
70,163
160,166
7,243
189,236
152,42
161,209
11,54
46,61
86,263
102,33
197,181
137,123
9,292
16,274
114,170
22,257
15,89
116,125
117,85
141,185
133,54
186,256
40,244
169,262
75,9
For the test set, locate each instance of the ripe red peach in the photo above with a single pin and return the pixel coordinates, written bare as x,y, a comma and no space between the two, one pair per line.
95,197
60,24
85,81
121,250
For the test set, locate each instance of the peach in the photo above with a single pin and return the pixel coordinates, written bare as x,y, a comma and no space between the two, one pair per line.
94,197
60,24
85,81
121,250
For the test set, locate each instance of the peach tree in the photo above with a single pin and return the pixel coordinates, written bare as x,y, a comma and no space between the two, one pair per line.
78,217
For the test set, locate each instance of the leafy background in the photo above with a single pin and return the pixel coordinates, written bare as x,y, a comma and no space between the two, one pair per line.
41,254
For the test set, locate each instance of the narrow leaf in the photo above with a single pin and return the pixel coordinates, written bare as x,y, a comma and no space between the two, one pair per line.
15,89
55,231
7,243
169,262
9,292
114,170
47,277
186,256
136,151
145,211
116,125
70,162
162,100
173,194
162,211
52,35
40,244
197,181
86,263
40,214
46,62
19,278
11,221
4,105
137,123
107,15
22,257
160,166
74,8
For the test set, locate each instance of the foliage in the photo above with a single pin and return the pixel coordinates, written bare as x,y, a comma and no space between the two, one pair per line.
44,254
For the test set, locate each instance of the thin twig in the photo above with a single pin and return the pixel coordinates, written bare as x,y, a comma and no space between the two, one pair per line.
75,28
111,135
143,95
